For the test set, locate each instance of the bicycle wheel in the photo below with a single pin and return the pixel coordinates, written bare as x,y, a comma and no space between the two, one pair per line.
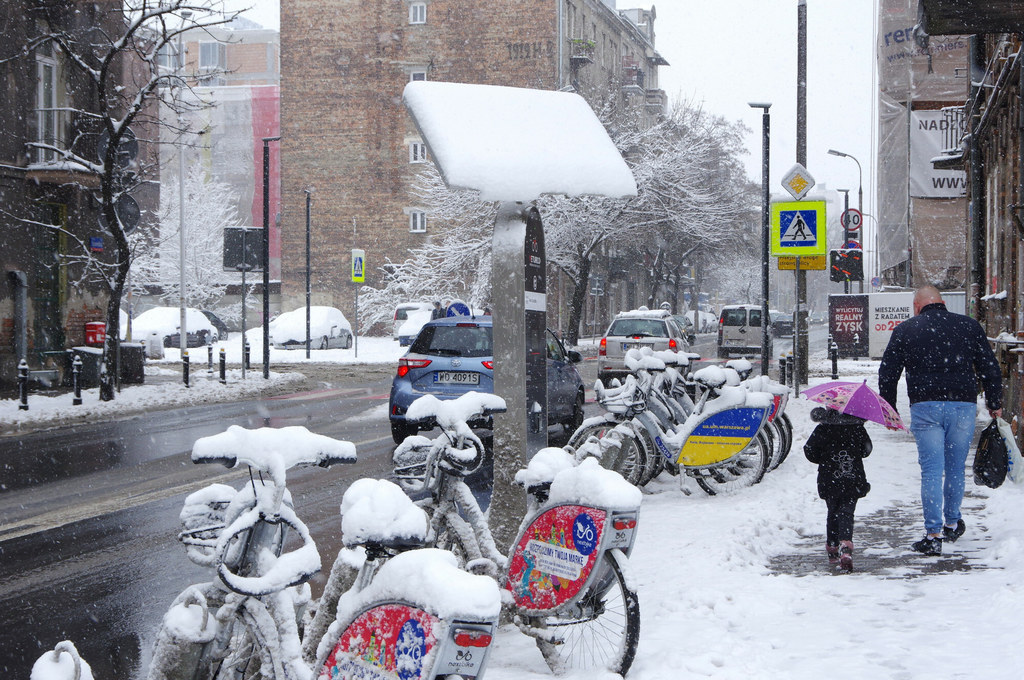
600,631
742,470
655,462
631,459
786,429
455,535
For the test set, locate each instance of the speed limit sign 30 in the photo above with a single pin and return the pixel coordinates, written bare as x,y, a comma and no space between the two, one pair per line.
852,219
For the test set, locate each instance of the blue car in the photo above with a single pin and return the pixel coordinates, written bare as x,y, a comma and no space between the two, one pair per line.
454,355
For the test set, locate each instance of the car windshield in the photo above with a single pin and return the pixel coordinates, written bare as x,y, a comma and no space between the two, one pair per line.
469,340
650,328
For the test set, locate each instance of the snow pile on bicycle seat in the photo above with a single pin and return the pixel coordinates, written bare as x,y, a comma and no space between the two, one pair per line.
272,450
59,664
450,412
711,375
376,510
430,579
639,360
590,484
762,383
544,465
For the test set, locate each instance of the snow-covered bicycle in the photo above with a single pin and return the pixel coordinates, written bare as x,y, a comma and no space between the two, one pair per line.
565,576
248,623
711,431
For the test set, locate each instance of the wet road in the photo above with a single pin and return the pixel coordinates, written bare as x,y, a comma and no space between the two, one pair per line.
88,548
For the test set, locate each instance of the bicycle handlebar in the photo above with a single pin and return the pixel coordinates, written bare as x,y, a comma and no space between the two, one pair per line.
272,450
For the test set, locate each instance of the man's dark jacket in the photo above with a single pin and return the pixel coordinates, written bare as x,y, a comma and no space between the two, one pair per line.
944,355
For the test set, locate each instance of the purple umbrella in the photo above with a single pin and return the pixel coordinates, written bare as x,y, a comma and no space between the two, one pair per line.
856,399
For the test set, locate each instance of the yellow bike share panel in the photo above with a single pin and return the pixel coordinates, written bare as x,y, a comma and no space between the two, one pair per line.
721,436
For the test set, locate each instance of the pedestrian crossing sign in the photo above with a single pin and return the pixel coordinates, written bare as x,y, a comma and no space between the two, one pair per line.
358,265
798,228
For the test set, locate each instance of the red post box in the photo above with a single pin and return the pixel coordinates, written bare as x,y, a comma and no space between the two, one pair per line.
95,333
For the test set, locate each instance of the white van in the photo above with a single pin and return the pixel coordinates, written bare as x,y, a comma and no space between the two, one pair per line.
739,331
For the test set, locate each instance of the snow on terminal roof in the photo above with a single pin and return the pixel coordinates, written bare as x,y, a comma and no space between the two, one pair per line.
514,144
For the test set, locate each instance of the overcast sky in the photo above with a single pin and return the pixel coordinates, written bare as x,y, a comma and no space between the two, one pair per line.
727,53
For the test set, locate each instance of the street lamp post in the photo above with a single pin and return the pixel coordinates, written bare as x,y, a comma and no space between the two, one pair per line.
860,193
182,323
765,214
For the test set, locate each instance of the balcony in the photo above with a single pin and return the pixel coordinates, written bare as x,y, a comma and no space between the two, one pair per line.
581,52
633,81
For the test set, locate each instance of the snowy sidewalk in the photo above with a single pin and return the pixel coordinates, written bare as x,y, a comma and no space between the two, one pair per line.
738,586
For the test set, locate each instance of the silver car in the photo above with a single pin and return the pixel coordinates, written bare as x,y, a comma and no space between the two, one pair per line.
635,329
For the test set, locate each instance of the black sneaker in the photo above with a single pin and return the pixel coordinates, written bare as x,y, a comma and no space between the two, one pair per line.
929,545
951,534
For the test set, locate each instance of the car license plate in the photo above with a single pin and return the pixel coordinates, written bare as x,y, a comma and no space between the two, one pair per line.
626,346
735,342
456,378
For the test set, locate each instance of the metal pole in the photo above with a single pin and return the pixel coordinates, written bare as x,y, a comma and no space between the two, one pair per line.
245,343
183,325
765,217
846,232
308,208
800,346
266,254
22,385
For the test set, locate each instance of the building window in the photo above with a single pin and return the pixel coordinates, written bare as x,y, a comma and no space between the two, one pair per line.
417,222
47,114
419,74
167,57
418,13
417,152
212,55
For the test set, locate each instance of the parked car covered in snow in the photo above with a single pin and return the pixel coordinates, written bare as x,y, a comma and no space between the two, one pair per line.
328,329
166,322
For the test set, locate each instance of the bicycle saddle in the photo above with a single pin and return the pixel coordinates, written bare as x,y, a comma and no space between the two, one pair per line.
711,376
376,511
742,366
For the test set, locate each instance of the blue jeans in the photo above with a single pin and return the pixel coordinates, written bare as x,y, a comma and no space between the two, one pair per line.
944,431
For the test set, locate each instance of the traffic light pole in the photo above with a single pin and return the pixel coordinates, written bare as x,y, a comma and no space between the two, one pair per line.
846,232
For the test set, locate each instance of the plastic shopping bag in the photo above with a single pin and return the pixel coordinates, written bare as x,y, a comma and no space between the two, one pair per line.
991,458
1015,469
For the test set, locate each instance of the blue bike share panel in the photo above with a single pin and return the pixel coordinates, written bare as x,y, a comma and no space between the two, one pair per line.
721,435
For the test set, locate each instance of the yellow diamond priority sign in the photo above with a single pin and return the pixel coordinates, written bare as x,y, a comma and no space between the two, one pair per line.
797,181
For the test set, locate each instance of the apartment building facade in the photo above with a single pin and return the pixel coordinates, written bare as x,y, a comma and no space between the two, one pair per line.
346,135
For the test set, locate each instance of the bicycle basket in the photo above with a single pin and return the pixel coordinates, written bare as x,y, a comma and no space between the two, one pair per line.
202,520
409,462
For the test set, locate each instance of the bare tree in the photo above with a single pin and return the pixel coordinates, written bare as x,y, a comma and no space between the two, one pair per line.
209,209
121,67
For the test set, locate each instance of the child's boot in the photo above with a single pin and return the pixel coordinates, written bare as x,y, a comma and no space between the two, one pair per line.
846,555
833,553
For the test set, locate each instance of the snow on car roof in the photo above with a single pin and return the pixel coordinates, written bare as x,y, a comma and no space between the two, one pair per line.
644,313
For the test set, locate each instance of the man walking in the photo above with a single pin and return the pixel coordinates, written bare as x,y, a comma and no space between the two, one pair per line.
944,354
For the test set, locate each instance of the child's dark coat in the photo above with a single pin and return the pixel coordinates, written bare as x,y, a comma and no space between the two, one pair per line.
837,446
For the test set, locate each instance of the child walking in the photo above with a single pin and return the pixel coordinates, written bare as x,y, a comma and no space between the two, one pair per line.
838,446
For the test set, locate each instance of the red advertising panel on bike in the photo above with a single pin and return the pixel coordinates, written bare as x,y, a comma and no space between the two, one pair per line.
555,556
391,641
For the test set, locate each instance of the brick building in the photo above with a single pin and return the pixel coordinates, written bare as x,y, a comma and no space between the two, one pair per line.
345,132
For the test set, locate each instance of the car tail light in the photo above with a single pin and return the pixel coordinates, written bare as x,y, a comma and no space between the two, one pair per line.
465,637
488,365
404,365
603,347
621,523
671,343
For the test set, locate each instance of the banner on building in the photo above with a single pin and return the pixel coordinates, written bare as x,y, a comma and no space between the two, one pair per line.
930,134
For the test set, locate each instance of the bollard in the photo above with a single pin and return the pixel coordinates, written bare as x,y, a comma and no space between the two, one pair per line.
76,371
184,367
23,385
782,369
209,360
223,367
245,356
833,353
